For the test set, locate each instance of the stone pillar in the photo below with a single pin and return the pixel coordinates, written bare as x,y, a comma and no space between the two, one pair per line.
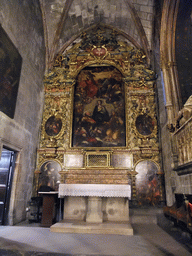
1,147
94,211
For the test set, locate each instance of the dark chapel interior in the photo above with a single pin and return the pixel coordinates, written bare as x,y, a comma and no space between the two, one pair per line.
95,113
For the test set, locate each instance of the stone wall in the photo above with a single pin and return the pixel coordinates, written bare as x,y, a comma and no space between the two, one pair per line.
145,11
22,22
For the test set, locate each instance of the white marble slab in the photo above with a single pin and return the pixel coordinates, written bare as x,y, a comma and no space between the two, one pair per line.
98,190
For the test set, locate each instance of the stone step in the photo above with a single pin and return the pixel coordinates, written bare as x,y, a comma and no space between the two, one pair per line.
143,219
144,216
71,226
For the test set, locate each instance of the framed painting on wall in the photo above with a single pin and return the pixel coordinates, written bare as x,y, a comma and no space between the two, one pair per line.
144,124
53,126
10,68
148,183
99,108
49,175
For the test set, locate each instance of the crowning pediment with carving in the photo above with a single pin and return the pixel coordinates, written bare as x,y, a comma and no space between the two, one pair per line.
102,47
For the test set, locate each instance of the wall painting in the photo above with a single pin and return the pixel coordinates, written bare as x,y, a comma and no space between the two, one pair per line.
53,126
10,68
49,175
147,183
99,108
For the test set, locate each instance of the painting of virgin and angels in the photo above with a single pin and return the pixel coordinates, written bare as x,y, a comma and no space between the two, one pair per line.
99,108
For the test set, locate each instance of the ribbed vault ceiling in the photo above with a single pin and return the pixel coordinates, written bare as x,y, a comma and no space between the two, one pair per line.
65,20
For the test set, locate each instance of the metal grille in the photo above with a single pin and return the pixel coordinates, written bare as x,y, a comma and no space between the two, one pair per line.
97,160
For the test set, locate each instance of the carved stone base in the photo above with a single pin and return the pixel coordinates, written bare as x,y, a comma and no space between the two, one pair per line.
94,211
82,227
113,209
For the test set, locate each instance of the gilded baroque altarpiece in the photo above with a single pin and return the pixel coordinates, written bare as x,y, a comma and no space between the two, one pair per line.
99,117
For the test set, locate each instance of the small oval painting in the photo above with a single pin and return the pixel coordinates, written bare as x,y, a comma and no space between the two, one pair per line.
53,126
144,124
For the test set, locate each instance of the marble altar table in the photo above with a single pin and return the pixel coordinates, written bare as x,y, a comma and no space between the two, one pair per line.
94,192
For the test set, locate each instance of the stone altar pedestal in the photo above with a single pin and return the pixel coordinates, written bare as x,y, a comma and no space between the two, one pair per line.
94,220
94,210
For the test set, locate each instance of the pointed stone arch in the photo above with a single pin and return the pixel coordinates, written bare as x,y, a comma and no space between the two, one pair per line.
168,59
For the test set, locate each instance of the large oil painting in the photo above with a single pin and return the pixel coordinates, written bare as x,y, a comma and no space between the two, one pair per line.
99,108
10,68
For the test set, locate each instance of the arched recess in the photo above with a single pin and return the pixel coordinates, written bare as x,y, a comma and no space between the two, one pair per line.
168,60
